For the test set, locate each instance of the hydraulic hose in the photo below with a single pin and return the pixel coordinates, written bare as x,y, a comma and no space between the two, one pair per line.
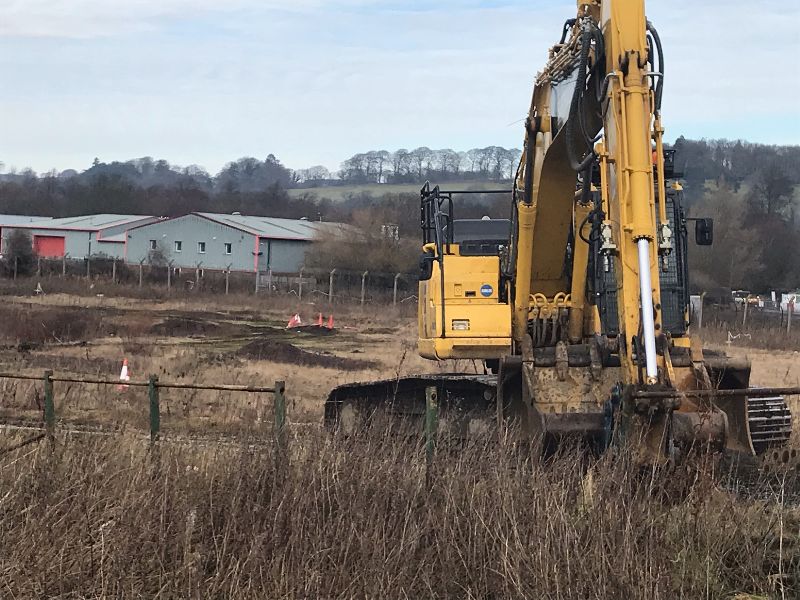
565,30
576,161
660,51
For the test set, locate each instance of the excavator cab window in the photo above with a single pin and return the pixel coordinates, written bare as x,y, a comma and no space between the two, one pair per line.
481,237
426,266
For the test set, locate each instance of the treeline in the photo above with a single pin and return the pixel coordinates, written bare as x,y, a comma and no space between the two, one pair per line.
736,162
750,189
493,163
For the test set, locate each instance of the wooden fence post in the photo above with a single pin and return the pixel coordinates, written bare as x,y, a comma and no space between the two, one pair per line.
88,267
141,273
155,408
114,270
431,427
227,280
38,266
64,266
49,406
257,275
363,286
279,425
169,276
394,293
16,267
330,287
789,311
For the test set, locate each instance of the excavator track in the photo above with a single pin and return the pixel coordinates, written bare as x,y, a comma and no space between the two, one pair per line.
466,404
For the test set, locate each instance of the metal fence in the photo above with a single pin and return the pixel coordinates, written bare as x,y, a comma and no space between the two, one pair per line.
153,386
331,286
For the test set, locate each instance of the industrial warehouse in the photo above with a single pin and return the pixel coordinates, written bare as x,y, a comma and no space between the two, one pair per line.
224,242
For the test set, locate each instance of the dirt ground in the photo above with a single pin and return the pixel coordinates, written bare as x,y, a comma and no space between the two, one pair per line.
234,343
191,342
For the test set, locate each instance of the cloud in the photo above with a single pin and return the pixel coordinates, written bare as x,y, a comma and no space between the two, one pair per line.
105,18
202,81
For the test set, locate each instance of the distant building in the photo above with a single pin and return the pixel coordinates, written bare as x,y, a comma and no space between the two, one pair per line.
80,237
225,241
8,223
390,231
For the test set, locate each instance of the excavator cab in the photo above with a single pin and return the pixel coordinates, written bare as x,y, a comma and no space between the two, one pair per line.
463,313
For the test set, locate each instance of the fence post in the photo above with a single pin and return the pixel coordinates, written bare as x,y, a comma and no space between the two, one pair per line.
363,286
64,266
227,280
330,287
88,267
789,311
744,316
114,270
38,266
300,284
49,406
155,408
700,316
197,277
394,293
16,267
431,426
141,274
257,275
279,426
169,276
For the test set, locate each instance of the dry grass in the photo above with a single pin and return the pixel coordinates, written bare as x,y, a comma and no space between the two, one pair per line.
355,519
187,341
101,518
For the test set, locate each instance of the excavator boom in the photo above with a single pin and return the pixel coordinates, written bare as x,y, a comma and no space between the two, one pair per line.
578,303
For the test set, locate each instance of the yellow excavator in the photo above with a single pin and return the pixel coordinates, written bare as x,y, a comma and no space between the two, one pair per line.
577,304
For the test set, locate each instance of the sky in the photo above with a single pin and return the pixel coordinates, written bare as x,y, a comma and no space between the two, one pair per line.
314,81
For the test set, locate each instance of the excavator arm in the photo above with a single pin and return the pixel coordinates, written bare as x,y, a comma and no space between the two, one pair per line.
563,301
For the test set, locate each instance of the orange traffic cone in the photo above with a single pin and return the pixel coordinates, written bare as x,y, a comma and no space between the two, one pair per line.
124,375
330,322
319,320
294,322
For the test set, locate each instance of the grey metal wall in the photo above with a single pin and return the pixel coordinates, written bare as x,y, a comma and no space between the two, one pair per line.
77,244
287,256
190,230
282,256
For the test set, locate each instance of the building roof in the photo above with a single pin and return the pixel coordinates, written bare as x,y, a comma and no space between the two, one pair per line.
10,220
91,223
118,238
273,227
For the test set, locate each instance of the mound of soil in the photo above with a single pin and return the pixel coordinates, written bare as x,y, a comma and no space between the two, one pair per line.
313,330
282,352
183,327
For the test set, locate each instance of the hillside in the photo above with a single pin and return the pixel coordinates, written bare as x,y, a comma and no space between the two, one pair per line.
342,192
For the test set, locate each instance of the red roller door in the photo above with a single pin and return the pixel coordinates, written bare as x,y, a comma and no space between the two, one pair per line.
48,246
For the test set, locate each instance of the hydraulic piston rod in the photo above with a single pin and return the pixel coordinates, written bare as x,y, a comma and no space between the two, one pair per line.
648,324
